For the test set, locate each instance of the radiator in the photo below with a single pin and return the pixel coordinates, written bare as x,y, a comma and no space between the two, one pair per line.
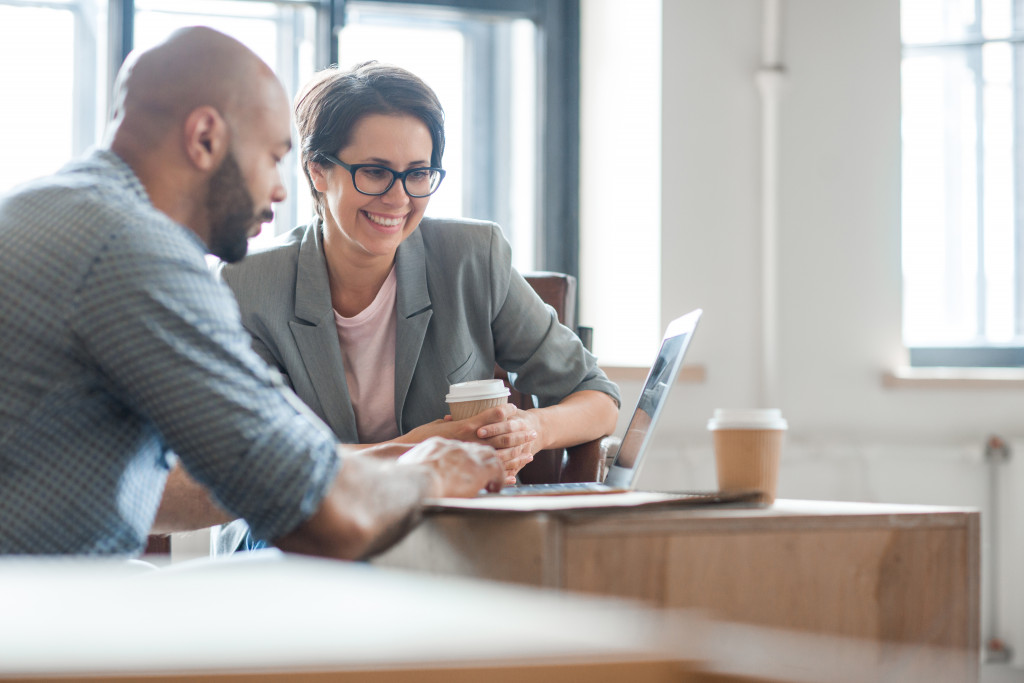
1004,625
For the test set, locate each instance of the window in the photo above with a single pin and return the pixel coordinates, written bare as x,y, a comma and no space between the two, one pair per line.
963,240
506,72
484,70
283,34
54,64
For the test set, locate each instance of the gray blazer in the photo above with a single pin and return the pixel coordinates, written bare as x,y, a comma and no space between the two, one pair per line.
461,309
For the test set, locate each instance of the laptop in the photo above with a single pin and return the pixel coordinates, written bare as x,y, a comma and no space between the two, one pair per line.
625,469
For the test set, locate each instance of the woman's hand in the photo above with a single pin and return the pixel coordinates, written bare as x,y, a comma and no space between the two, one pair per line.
510,431
519,434
506,436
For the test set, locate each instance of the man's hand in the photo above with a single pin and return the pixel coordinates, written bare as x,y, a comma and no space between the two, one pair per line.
460,469
386,450
375,501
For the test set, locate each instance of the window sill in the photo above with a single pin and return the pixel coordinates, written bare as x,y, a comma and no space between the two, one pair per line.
688,374
953,378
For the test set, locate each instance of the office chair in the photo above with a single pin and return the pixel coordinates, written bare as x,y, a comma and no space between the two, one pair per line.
583,462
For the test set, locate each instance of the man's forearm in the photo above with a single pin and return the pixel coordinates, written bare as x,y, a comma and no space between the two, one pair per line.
371,506
186,506
395,531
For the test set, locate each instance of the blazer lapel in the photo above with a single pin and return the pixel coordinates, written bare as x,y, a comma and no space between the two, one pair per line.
316,336
414,313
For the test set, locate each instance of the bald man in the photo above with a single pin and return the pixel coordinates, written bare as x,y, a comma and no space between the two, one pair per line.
119,350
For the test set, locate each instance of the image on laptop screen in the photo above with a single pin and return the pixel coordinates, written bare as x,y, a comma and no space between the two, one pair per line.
662,376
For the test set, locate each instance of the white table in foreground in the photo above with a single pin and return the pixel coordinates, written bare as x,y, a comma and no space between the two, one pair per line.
298,619
896,575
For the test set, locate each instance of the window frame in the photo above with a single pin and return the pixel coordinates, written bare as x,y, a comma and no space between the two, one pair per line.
991,355
558,23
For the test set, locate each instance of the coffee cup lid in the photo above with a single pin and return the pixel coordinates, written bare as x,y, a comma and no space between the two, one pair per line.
475,390
764,418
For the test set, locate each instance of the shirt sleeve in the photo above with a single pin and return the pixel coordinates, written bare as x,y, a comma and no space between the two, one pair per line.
548,359
168,338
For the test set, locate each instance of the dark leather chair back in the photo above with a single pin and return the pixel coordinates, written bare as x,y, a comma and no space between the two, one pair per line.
577,463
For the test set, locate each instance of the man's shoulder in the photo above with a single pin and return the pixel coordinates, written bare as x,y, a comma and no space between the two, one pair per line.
89,206
99,179
72,190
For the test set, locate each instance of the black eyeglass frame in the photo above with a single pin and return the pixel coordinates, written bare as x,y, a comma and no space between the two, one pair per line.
395,175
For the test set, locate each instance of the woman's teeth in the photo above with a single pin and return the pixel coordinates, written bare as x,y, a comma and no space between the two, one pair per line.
383,221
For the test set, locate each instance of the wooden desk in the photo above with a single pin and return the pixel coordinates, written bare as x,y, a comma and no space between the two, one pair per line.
887,574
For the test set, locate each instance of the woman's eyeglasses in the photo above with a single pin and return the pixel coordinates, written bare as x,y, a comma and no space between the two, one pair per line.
374,180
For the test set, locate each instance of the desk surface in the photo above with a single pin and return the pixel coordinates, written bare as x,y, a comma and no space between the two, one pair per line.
650,503
782,515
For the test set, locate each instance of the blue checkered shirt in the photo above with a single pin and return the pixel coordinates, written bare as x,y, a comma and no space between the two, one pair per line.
117,346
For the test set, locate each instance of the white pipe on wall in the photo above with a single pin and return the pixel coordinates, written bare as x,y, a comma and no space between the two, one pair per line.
770,79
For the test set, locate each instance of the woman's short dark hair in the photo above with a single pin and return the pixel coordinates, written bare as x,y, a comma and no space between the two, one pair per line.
334,101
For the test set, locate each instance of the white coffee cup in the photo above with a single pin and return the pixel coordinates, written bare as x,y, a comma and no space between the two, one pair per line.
466,399
748,443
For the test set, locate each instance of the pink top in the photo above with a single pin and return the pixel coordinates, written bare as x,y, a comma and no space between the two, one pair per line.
368,352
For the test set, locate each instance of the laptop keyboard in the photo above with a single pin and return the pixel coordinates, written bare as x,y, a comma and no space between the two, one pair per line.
553,489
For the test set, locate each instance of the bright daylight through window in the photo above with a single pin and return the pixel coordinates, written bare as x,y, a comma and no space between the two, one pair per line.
963,250
281,34
52,83
483,67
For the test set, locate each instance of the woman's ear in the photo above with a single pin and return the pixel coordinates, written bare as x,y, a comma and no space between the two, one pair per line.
206,138
318,175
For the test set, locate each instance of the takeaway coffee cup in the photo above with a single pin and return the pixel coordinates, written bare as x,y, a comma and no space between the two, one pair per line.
747,448
466,399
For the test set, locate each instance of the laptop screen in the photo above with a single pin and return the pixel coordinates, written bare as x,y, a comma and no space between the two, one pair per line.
651,404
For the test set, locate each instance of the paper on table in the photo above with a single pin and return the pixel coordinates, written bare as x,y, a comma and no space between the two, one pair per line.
584,501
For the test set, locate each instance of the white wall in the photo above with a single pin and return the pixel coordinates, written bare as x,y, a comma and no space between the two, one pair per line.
839,286
839,262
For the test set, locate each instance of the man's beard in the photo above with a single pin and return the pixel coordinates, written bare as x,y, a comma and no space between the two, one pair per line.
231,211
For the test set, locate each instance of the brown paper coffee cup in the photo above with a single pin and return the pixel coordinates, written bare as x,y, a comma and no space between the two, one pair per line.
463,409
748,445
466,399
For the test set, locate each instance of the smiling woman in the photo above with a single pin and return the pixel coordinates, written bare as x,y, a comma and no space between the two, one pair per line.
366,224
491,112
372,311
